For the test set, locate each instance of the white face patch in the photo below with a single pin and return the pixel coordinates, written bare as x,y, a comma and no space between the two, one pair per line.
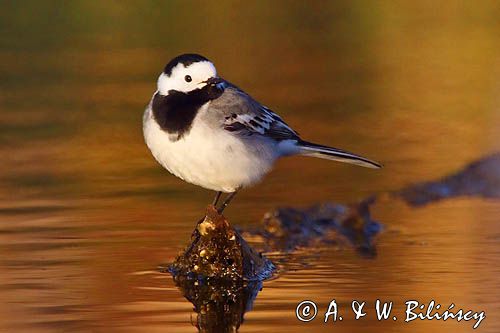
198,72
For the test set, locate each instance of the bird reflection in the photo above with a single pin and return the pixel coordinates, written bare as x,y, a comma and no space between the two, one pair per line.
219,304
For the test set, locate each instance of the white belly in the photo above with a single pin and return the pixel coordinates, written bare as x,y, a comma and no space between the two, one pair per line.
213,159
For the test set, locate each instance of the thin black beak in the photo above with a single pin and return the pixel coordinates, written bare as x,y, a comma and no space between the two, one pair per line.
213,81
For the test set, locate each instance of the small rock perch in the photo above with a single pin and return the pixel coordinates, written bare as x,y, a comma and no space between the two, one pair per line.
219,251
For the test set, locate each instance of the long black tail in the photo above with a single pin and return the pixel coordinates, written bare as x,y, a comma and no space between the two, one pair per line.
334,154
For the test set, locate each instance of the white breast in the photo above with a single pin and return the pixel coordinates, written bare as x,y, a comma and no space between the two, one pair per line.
209,156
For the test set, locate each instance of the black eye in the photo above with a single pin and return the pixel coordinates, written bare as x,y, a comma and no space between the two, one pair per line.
188,78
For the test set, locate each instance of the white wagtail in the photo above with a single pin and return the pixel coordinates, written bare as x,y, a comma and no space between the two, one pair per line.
210,133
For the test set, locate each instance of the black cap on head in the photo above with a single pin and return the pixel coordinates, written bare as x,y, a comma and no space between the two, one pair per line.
185,59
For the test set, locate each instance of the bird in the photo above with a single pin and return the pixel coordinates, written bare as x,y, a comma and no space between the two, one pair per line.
208,132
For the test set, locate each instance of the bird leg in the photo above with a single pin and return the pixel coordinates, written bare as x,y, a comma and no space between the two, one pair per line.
216,199
226,202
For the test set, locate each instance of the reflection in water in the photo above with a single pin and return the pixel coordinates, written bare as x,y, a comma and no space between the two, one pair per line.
219,304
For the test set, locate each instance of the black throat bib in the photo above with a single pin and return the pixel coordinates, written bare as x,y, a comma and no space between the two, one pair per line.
176,111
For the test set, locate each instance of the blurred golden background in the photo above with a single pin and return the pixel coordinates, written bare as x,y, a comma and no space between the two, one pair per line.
86,214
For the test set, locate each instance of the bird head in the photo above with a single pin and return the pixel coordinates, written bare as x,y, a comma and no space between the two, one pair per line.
188,72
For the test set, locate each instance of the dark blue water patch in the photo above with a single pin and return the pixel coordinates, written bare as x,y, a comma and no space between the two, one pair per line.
480,178
287,229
